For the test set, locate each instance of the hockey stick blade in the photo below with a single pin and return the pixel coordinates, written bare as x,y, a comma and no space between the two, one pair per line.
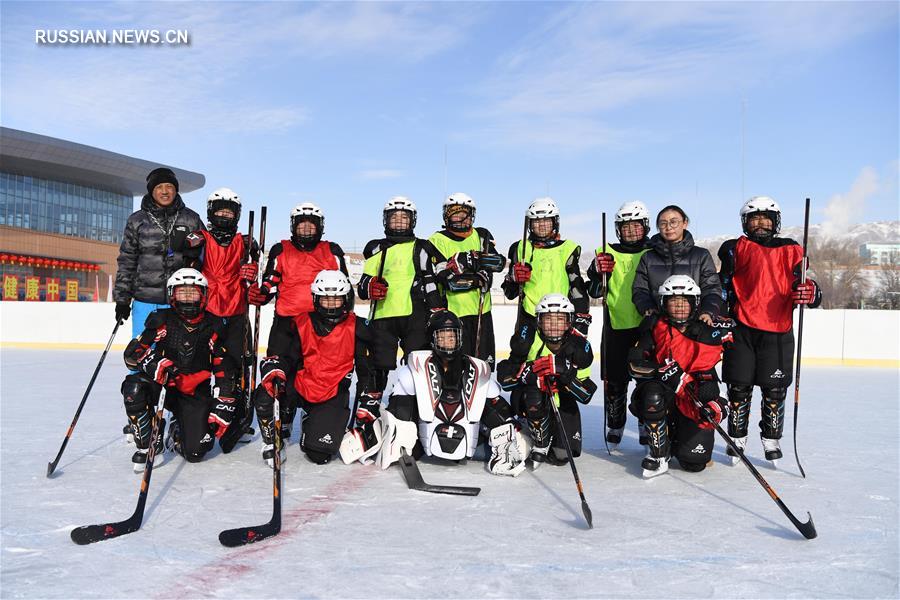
88,534
248,535
415,482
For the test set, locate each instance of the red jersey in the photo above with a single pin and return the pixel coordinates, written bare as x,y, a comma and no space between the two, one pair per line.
298,270
221,267
326,359
762,282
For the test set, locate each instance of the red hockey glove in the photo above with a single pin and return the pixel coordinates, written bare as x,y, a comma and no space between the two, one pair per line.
221,415
714,410
672,375
249,272
548,385
162,370
804,293
543,366
378,288
273,377
521,272
463,262
256,296
604,262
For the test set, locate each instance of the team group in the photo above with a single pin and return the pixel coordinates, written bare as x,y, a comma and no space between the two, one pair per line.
669,317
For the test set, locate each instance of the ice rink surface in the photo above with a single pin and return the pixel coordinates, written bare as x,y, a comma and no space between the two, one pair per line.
354,531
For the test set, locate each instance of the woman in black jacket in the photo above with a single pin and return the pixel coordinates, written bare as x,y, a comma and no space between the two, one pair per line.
672,252
151,249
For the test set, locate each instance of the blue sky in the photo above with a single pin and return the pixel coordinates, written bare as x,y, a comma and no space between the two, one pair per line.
598,103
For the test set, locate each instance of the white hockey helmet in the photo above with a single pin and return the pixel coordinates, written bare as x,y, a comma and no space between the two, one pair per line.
394,204
554,331
767,206
307,211
336,284
458,199
543,208
216,201
632,211
188,309
679,285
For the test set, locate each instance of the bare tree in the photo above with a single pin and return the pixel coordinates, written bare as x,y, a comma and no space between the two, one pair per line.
887,294
838,269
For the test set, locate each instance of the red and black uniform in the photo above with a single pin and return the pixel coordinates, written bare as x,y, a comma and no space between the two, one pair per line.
758,278
327,353
290,270
182,355
672,368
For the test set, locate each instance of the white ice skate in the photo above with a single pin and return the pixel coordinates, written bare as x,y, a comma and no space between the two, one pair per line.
740,442
772,449
654,466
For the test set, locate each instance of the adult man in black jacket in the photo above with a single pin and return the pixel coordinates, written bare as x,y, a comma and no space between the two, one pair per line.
151,249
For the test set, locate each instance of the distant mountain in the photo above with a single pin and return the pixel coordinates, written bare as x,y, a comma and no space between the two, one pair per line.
861,233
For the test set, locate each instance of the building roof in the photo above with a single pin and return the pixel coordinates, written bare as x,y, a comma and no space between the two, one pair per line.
52,158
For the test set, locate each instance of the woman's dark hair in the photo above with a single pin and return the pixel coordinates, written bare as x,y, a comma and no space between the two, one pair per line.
676,209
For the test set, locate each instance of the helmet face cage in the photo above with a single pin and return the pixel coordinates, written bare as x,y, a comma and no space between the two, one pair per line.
554,325
773,215
307,240
386,219
333,313
445,344
222,222
553,232
188,299
693,301
450,210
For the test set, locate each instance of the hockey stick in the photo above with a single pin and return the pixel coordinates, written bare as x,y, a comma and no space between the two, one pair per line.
88,534
481,295
415,482
554,401
233,436
603,338
804,265
52,465
808,529
248,535
262,244
374,303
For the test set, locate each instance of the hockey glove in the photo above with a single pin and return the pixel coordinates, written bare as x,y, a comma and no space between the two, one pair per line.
604,263
257,296
714,410
492,263
273,377
548,384
368,407
378,288
160,369
221,415
463,262
249,272
672,375
804,293
509,449
581,324
123,311
521,272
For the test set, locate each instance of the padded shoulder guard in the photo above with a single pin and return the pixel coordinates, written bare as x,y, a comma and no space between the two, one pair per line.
449,419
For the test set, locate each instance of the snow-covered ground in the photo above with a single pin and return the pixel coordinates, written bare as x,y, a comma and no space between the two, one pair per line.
358,532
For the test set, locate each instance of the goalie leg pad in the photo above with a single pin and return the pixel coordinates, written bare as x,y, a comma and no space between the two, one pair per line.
395,434
361,443
509,449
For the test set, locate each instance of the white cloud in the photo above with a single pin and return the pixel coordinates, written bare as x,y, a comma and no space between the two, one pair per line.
845,209
557,87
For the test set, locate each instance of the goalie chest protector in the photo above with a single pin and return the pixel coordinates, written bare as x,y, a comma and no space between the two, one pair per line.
449,420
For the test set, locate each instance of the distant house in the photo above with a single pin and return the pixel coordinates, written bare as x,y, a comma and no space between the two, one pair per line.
881,254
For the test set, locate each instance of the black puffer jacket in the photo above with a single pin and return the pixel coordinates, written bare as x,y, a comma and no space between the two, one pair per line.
151,250
680,258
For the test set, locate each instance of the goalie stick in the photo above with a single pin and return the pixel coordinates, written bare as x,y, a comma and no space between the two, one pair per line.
415,482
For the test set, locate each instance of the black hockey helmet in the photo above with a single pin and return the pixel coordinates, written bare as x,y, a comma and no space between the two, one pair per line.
440,325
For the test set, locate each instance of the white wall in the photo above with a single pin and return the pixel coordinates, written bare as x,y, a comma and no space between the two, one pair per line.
829,336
